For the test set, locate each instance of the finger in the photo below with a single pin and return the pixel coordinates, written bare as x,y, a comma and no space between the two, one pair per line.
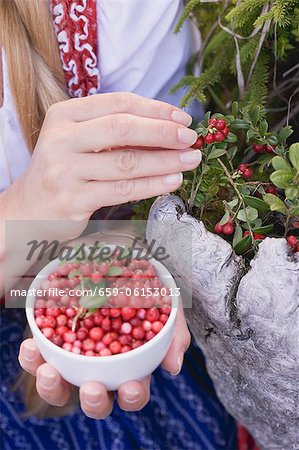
51,387
95,401
92,107
173,361
29,356
132,163
134,395
97,194
119,130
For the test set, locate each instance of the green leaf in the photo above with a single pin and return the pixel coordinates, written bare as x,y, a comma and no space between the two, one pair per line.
224,218
263,128
267,229
216,153
255,115
294,155
240,124
231,137
92,301
222,145
279,163
294,212
233,203
235,109
275,203
272,140
231,152
291,192
242,246
281,178
207,118
257,203
284,133
237,235
114,271
251,133
205,168
249,214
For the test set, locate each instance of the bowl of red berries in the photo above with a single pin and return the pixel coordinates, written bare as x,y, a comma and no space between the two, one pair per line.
109,320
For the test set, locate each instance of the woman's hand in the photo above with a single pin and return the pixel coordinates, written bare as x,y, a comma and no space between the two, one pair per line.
72,174
95,401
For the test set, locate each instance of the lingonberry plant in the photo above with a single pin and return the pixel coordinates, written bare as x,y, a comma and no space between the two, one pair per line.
245,202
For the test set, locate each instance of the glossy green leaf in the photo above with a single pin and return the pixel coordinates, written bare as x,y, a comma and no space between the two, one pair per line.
231,152
231,137
240,124
273,140
249,214
224,218
294,155
237,235
216,153
279,163
263,128
267,229
257,203
281,178
92,301
284,133
114,271
275,203
242,246
292,192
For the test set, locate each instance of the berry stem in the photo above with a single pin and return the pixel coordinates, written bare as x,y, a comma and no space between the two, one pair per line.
231,181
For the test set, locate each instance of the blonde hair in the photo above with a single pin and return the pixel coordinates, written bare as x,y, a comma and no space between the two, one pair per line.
37,81
34,67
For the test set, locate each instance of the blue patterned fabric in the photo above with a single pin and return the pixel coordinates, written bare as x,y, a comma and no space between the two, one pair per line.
183,414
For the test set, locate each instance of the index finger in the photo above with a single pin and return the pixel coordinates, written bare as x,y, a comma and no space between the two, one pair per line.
99,105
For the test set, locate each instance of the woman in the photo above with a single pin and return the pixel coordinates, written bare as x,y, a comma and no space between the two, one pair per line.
77,134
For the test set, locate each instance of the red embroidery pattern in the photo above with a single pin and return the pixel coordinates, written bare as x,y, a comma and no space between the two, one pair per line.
75,24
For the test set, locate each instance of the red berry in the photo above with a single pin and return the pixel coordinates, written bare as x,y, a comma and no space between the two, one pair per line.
49,321
247,173
48,332
163,318
199,143
107,338
138,333
97,318
77,343
96,334
96,277
89,353
258,237
146,325
269,148
126,328
39,321
218,228
213,121
258,148
125,339
225,131
157,326
105,352
125,349
271,190
106,324
149,335
292,240
128,313
246,233
70,312
99,346
220,124
115,347
88,323
88,344
152,314
82,334
61,320
76,350
67,346
242,168
116,324
209,138
219,136
228,228
69,337
57,340
114,312
61,330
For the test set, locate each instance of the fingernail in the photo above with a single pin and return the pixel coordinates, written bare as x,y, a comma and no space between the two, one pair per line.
179,363
187,136
30,351
47,379
93,398
131,394
174,179
190,157
181,117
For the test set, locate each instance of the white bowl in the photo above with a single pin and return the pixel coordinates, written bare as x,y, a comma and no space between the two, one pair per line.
112,370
